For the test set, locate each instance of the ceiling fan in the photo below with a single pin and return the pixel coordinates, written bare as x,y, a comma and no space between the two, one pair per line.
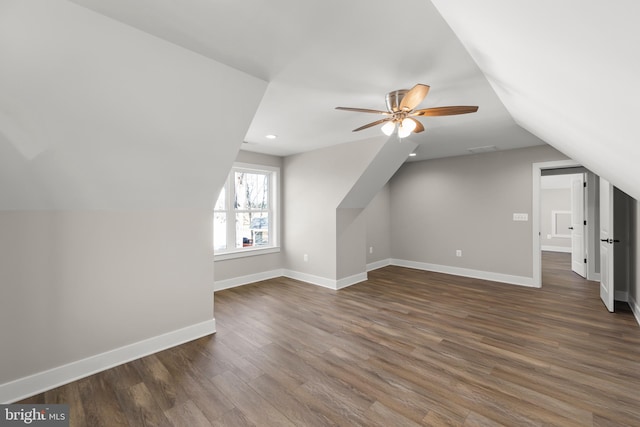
401,112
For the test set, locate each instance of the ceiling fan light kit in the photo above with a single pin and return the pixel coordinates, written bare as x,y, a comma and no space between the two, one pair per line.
388,128
401,111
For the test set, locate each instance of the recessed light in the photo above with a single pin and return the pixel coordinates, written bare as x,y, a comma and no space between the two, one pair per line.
271,136
412,155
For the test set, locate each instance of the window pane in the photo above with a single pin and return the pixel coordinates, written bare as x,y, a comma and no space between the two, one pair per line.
221,200
252,229
251,191
219,231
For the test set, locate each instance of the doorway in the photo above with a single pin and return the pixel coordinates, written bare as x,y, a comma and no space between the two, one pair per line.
574,234
563,226
620,211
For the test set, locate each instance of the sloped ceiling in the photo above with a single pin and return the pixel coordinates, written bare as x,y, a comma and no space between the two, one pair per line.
567,71
93,93
320,54
97,115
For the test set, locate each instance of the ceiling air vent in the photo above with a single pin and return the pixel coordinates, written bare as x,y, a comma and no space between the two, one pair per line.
485,149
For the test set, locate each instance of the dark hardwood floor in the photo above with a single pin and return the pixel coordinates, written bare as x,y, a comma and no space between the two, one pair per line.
404,348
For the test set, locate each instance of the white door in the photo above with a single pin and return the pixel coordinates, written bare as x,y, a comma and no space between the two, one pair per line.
606,244
577,226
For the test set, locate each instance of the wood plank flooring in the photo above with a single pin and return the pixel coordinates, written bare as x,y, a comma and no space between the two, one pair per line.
405,348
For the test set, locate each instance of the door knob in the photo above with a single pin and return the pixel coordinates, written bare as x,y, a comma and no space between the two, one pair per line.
570,228
610,240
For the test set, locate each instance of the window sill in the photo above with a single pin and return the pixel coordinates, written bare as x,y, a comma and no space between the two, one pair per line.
245,253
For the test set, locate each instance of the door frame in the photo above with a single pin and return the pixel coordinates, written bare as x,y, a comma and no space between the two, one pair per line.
536,174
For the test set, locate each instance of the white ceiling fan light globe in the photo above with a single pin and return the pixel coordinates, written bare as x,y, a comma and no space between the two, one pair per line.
406,127
409,124
403,133
388,128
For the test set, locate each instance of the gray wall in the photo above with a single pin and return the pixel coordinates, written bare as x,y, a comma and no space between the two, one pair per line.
553,200
80,283
634,286
109,165
378,223
624,231
351,232
314,184
467,203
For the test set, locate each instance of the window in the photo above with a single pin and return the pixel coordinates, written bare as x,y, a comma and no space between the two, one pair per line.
245,214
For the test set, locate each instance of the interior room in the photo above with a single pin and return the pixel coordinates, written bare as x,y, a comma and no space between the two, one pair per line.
320,213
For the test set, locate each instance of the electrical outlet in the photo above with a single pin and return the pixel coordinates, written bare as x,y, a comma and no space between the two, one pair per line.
306,257
458,252
370,249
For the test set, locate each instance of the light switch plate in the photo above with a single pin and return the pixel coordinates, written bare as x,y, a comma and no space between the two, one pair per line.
520,217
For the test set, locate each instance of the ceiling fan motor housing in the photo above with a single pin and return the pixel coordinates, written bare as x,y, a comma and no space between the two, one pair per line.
393,99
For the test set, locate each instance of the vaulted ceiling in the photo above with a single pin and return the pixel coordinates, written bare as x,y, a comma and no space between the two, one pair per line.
546,71
566,71
317,55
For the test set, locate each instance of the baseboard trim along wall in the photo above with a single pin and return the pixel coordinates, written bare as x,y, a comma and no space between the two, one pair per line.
310,278
351,280
635,308
361,277
323,281
245,280
621,296
55,377
378,264
466,272
291,274
556,249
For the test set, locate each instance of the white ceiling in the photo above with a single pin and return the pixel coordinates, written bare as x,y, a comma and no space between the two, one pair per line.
317,55
567,71
97,115
98,94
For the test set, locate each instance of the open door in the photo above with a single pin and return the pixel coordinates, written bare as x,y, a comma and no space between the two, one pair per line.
578,257
606,244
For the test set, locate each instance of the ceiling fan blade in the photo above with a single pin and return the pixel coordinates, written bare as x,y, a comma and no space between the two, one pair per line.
414,97
445,111
419,126
368,125
363,110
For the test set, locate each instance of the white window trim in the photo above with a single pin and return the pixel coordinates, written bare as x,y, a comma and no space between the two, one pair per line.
274,214
241,253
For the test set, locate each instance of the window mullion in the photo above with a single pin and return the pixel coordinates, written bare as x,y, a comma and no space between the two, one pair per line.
231,216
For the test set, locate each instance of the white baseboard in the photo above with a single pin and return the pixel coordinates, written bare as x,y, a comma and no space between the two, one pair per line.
245,280
351,280
55,377
594,277
621,296
357,278
556,249
310,278
466,272
325,282
378,264
304,277
635,308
